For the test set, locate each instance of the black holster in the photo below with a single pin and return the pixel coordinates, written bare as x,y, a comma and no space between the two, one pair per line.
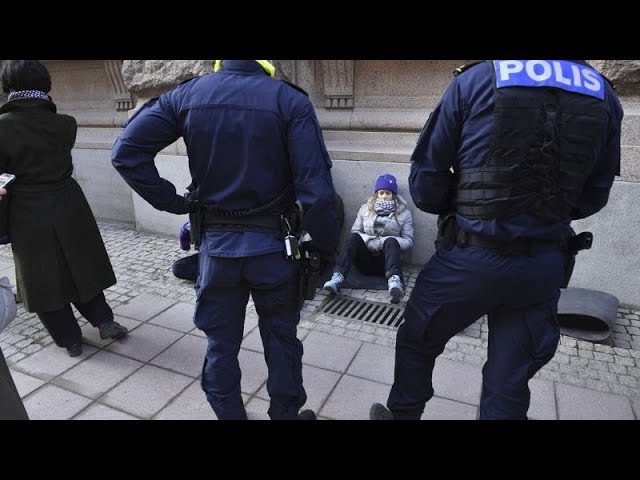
310,269
195,221
291,221
574,244
570,262
447,230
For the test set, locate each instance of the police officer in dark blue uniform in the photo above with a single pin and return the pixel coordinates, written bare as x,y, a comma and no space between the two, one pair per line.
514,151
255,147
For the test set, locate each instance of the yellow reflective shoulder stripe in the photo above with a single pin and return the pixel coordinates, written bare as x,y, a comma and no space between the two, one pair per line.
268,67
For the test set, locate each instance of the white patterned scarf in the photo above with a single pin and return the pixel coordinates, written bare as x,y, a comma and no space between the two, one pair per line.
19,94
384,207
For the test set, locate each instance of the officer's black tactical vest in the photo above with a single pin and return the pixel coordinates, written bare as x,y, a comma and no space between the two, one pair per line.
540,156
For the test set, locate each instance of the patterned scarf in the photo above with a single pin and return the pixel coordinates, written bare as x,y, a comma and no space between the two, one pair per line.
384,207
18,94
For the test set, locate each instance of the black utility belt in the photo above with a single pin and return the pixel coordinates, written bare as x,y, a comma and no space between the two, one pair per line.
529,246
255,223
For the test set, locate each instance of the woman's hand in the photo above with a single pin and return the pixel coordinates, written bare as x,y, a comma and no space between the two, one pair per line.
375,244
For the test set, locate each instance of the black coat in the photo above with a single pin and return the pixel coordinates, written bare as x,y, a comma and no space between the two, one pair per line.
57,248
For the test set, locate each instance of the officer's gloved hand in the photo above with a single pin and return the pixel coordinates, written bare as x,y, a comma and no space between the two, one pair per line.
185,236
4,239
374,245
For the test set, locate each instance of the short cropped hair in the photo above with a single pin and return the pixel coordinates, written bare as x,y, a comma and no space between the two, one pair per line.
24,75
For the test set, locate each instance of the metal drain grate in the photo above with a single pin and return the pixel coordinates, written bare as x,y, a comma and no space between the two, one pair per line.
351,308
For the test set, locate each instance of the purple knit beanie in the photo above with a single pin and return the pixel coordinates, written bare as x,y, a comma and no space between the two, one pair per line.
387,182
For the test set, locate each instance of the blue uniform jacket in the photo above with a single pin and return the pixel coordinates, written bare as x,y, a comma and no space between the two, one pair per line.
247,137
458,134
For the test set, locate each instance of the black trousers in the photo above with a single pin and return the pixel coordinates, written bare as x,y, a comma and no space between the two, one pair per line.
355,252
187,267
63,326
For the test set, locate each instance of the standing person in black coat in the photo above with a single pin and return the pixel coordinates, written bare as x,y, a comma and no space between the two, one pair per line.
59,254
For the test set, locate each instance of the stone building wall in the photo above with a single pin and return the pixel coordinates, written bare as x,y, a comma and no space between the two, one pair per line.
371,112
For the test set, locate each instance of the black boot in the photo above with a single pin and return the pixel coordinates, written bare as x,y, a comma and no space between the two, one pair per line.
112,330
74,350
306,415
380,412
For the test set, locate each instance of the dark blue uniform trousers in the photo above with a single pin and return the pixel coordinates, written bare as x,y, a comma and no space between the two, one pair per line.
519,294
222,293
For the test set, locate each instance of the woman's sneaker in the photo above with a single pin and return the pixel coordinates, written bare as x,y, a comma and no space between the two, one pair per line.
333,285
396,289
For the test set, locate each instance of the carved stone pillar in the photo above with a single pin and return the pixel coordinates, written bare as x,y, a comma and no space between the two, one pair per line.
285,70
338,83
121,96
146,79
625,74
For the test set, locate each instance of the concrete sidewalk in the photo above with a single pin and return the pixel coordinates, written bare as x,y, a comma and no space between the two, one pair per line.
154,373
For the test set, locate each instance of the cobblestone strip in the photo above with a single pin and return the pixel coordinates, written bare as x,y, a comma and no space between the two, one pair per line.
142,263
